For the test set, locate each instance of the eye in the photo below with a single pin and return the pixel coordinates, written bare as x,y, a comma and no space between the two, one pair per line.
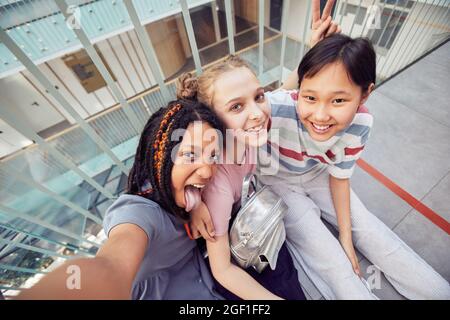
214,158
189,156
309,98
237,107
260,98
338,101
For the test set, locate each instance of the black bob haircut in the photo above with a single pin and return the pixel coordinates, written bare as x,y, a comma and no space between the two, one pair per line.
357,55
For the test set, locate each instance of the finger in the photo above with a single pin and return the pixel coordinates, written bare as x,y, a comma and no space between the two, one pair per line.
338,29
356,266
323,27
196,234
315,11
332,29
327,10
210,228
193,230
205,233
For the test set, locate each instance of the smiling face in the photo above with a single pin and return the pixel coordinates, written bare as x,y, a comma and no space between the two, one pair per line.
328,101
194,161
239,101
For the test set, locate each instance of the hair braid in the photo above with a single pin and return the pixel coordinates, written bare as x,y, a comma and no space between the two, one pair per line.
150,176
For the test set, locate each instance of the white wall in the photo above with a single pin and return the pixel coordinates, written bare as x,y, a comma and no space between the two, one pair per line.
296,19
17,94
11,140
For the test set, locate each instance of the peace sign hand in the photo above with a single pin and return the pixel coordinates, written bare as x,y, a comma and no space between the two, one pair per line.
322,26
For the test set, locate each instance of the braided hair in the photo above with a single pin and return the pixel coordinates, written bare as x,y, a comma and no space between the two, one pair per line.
150,176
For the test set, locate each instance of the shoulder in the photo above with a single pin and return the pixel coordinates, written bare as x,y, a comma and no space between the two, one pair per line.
363,117
137,210
222,182
361,123
281,97
283,103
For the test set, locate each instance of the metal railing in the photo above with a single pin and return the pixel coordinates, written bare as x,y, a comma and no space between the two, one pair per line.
53,194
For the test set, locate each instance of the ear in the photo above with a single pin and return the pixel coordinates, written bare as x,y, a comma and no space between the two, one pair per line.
366,94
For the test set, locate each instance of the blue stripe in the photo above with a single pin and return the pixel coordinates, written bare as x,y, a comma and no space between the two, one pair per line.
345,164
287,112
358,130
284,111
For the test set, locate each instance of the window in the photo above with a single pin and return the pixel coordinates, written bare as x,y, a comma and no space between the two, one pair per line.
391,23
86,71
352,9
399,3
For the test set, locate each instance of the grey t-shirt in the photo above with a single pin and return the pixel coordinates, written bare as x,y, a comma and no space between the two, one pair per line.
173,267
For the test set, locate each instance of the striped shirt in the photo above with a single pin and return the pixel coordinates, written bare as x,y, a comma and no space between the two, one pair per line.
290,151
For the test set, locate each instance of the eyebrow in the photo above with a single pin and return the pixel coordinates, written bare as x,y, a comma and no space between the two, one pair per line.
334,92
237,98
192,148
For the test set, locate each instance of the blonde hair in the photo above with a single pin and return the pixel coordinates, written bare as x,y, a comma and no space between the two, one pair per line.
202,88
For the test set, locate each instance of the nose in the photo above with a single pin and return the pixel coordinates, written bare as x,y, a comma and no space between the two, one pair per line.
205,171
255,112
321,114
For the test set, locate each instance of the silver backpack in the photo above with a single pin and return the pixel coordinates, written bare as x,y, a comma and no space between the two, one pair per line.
258,233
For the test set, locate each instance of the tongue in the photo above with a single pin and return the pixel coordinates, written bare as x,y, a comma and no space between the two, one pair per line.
192,197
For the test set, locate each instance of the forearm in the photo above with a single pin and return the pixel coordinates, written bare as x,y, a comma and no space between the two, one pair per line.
242,284
340,192
97,277
232,277
291,81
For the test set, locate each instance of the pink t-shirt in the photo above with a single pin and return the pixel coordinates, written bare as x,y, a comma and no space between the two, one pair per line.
225,189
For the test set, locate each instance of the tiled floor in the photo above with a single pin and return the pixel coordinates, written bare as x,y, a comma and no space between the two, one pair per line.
410,144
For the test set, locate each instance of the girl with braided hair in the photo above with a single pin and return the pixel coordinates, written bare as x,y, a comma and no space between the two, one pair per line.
147,254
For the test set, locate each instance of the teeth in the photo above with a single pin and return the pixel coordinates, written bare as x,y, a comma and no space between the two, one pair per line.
321,127
198,186
255,129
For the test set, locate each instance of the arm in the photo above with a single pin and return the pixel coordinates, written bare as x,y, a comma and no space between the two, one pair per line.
340,192
201,224
107,276
231,276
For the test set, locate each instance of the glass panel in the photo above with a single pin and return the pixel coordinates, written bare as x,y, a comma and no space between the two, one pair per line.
276,12
212,42
396,20
170,41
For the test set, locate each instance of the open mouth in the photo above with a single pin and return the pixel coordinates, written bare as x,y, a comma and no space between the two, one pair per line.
321,129
257,129
196,185
192,195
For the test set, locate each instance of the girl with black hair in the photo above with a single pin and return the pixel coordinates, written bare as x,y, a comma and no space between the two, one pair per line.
321,130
